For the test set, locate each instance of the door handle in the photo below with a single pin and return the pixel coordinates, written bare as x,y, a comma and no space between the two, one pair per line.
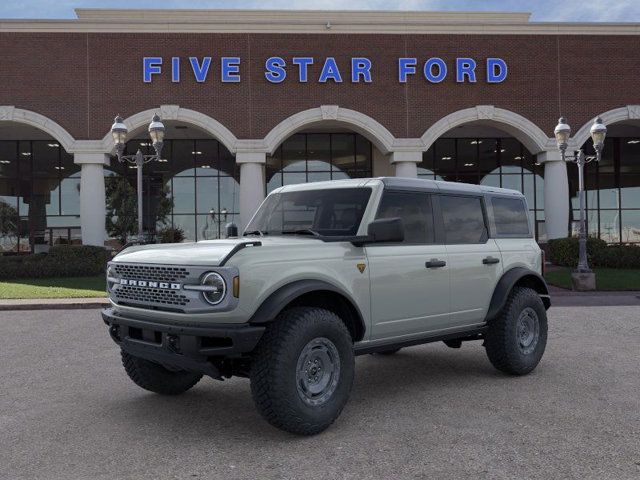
490,260
435,263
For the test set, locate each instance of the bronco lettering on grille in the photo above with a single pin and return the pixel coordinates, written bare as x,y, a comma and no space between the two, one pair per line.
150,284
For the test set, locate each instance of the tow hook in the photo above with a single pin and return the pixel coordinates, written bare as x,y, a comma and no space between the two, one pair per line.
173,343
114,331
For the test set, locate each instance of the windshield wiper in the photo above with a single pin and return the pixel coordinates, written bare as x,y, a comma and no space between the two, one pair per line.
260,233
301,231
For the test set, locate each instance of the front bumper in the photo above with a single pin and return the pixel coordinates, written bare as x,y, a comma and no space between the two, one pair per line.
186,347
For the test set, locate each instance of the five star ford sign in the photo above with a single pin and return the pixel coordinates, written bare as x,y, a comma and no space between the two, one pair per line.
362,69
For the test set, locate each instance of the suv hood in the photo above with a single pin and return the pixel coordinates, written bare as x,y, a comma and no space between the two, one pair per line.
208,252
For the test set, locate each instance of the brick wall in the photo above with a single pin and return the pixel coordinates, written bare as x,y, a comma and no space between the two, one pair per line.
82,80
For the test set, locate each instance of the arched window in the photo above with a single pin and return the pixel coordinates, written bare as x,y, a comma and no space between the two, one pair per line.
200,178
315,157
499,162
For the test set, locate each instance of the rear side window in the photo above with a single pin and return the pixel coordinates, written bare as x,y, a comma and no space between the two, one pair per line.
510,217
463,219
415,211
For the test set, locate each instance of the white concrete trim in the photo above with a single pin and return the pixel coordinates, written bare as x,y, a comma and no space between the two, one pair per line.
251,157
549,156
9,113
414,156
91,157
628,112
175,112
301,21
382,138
252,16
521,128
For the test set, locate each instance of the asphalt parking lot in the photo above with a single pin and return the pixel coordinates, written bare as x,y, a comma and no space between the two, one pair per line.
67,410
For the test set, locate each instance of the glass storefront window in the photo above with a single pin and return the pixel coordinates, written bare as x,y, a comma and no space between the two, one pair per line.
316,157
630,224
497,162
39,195
612,190
200,179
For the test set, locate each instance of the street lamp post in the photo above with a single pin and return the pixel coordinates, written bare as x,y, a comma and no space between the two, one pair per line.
156,132
562,133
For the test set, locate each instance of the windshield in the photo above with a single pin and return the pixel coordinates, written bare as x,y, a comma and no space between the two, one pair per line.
326,212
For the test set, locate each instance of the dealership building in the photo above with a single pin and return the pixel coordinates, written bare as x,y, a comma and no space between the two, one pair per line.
252,100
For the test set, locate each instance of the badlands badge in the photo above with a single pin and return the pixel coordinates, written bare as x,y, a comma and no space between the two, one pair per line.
361,267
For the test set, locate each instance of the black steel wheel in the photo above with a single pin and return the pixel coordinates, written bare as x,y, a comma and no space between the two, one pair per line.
517,338
302,370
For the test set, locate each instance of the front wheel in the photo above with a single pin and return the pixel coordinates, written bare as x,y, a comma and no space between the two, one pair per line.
517,338
302,371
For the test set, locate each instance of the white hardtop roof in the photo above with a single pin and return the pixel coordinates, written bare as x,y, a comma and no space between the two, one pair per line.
401,182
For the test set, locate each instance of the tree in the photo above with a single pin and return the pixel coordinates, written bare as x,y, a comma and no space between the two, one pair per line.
122,208
9,222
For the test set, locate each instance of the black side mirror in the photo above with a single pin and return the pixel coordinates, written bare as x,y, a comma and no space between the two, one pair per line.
386,230
231,230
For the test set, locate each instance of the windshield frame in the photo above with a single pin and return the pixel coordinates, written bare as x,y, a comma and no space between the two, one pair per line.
263,218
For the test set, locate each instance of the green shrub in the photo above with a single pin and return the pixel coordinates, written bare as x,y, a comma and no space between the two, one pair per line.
61,261
564,252
619,256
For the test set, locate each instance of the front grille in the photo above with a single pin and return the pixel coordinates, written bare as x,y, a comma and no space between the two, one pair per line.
153,273
159,296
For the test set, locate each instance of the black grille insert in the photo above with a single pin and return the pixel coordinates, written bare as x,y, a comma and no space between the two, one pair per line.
153,273
159,296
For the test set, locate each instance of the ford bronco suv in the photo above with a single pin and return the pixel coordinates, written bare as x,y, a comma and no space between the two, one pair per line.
326,271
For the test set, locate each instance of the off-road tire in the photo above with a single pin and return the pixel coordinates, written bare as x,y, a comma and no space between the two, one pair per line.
274,372
155,378
502,339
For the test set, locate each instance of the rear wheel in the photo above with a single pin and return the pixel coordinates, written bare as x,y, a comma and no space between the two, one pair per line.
303,370
516,340
156,378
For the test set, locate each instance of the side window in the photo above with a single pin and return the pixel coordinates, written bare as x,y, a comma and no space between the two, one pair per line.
415,211
463,219
510,217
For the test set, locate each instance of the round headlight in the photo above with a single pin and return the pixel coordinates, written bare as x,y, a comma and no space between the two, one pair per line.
216,288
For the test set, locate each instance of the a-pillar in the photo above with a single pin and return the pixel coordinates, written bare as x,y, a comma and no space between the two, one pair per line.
406,163
252,184
556,194
92,197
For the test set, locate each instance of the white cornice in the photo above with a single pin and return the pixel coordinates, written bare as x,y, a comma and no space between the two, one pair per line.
302,21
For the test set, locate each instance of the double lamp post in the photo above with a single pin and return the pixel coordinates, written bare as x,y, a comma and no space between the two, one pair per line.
156,132
582,278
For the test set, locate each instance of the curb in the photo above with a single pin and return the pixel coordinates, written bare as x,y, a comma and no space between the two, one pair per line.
53,304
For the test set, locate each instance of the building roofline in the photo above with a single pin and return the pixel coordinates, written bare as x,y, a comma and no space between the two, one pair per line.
310,21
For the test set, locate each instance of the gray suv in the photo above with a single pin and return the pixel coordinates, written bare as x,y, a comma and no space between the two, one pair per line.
324,272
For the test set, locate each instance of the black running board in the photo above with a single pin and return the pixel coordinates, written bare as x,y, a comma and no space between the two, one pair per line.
467,335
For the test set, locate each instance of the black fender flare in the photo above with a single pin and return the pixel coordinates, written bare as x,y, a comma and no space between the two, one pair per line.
506,283
283,296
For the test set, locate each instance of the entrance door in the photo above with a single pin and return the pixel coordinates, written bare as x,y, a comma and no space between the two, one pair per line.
409,280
